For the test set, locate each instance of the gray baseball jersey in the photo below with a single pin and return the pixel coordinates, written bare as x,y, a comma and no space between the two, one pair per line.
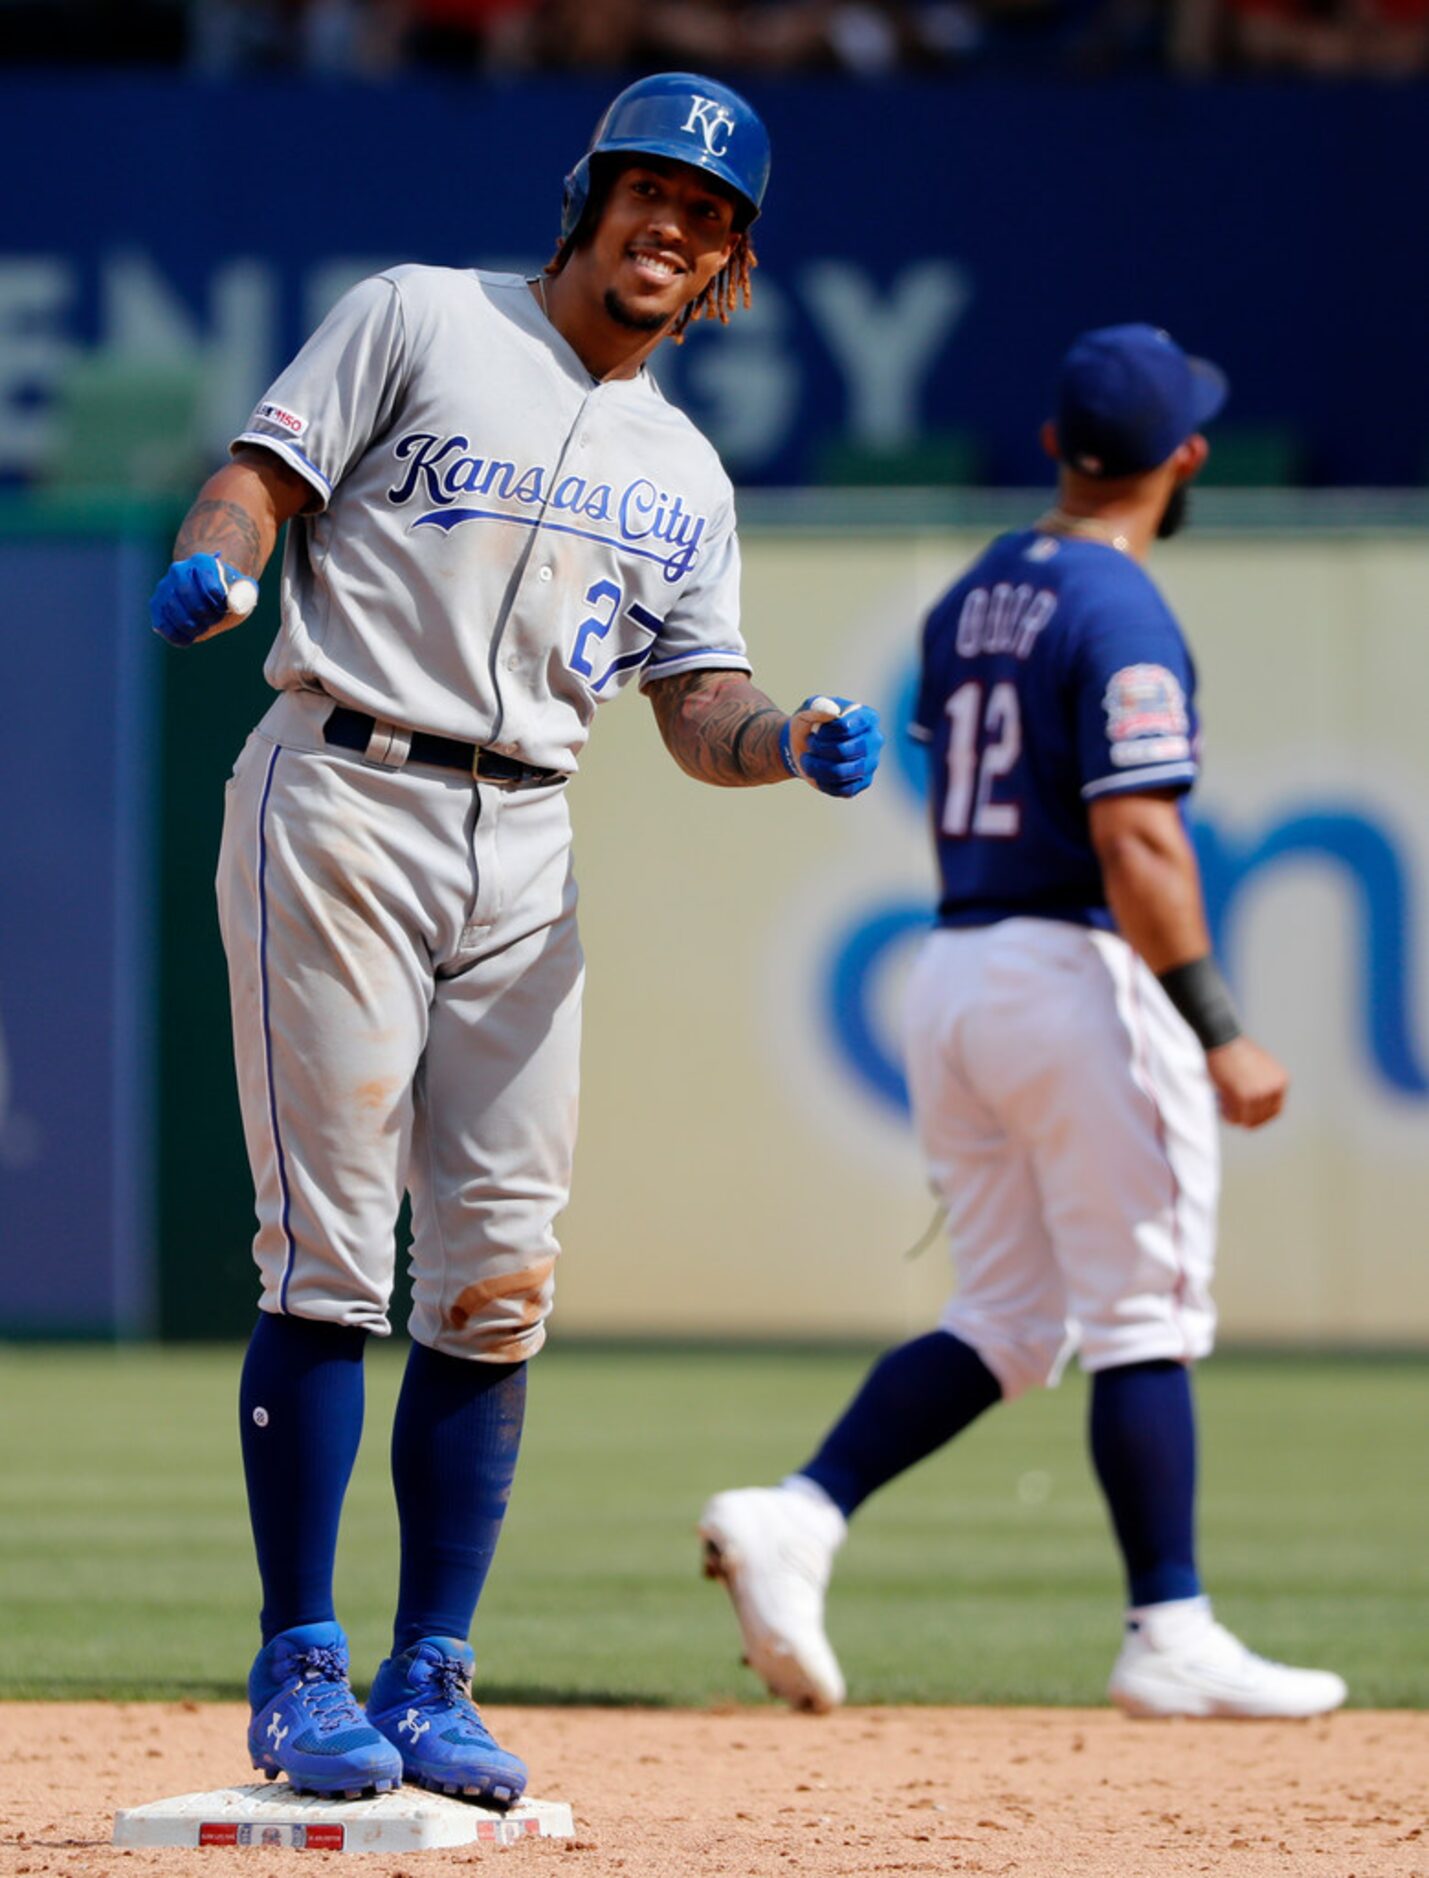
501,541
498,543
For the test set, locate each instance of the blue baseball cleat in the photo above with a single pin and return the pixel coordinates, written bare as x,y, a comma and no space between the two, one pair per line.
421,1701
308,1724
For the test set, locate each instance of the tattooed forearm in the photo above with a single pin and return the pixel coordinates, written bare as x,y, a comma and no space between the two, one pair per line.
720,728
223,528
755,718
240,509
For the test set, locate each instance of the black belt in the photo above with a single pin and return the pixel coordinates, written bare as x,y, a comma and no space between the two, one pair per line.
352,730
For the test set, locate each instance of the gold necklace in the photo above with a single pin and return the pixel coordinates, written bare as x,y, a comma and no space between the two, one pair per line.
541,289
1058,522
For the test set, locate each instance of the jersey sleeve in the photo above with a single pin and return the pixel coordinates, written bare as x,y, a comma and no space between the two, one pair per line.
1135,702
321,413
701,630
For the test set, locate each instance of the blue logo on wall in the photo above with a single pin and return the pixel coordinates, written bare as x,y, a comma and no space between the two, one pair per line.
1361,853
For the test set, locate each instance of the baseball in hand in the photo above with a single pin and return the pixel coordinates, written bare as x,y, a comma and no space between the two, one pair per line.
811,715
242,597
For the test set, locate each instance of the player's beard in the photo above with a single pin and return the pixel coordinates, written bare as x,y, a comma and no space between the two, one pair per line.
632,321
1176,514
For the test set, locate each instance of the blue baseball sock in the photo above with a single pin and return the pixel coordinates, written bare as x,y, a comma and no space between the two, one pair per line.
300,1419
913,1400
455,1440
1143,1441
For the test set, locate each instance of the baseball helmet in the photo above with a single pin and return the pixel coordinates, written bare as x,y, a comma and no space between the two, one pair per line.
687,118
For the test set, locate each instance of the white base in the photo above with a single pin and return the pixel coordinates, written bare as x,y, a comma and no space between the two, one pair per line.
409,1820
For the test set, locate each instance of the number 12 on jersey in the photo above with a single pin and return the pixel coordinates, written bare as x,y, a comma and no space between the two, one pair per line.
984,743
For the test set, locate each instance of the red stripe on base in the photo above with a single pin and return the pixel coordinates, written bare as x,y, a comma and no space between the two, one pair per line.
218,1832
325,1838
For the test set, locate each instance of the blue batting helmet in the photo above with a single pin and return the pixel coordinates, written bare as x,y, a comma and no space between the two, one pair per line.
685,117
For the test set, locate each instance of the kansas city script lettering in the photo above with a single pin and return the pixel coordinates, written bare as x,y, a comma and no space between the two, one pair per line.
442,471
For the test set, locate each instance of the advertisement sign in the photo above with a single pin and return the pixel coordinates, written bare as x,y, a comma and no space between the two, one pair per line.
923,260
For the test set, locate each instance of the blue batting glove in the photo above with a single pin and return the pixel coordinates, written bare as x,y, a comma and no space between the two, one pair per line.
841,754
191,597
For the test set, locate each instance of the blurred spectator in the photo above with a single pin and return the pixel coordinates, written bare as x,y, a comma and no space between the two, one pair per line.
729,37
584,35
866,37
869,38
467,34
334,37
1325,38
1073,37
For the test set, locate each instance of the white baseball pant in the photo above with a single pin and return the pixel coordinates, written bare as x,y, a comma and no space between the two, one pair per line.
1070,1127
406,981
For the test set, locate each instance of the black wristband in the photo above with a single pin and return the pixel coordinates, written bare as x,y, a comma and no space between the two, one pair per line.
1204,999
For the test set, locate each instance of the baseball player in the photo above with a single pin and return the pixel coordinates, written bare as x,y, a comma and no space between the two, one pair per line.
1069,1039
496,524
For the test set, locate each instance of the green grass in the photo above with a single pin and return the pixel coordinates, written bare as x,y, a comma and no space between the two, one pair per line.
986,1575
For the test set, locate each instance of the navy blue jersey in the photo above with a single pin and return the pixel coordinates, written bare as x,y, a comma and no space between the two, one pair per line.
1053,673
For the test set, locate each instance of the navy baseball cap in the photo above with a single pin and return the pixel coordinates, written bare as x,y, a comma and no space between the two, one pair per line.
1128,396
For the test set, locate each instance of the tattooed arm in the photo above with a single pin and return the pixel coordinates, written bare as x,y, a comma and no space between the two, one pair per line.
227,534
240,510
720,728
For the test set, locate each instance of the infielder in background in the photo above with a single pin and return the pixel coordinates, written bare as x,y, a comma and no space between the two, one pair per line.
497,522
1069,1038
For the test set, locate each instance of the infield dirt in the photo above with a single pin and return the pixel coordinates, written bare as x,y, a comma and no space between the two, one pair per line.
759,1793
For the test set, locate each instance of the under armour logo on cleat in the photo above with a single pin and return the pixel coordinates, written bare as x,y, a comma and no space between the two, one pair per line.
277,1733
414,1724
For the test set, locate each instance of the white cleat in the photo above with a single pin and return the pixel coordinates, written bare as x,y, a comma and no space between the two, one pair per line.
1177,1660
773,1549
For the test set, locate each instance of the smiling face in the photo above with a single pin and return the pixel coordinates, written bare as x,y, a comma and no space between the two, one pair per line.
660,242
665,231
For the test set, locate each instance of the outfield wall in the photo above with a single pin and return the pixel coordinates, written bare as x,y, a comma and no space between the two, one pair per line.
745,1162
745,1165
1268,224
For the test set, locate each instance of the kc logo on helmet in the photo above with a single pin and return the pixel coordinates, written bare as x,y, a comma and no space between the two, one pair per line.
713,121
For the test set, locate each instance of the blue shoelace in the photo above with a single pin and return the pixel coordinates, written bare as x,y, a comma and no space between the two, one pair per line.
327,1697
453,1682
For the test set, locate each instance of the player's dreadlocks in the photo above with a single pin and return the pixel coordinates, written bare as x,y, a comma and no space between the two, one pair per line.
730,288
